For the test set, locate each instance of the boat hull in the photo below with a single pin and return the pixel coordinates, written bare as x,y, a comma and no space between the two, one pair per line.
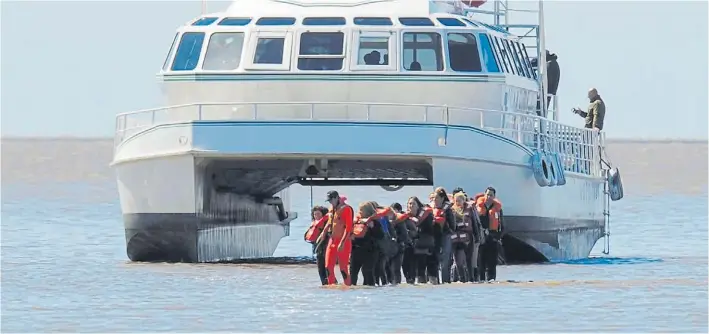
160,180
166,218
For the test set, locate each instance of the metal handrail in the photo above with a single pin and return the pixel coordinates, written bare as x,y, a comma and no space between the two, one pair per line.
539,133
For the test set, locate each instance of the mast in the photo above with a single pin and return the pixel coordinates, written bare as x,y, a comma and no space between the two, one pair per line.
204,7
542,62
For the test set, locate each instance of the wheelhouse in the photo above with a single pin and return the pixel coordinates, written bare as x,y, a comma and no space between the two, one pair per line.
439,44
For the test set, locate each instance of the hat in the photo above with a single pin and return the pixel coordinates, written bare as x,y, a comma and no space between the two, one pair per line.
332,194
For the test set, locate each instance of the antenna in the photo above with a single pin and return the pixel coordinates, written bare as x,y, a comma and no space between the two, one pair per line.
204,7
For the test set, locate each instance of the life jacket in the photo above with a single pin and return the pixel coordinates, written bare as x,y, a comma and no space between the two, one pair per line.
439,215
360,228
423,214
336,219
315,229
492,214
463,227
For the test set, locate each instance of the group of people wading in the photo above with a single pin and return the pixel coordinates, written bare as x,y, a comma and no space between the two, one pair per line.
451,238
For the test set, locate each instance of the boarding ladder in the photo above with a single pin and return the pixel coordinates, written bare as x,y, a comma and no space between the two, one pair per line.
605,169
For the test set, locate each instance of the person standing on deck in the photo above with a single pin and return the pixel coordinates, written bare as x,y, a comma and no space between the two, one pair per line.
596,111
339,247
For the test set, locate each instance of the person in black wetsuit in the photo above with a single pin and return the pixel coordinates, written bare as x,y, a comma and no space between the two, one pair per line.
489,209
403,240
424,242
387,245
365,251
319,249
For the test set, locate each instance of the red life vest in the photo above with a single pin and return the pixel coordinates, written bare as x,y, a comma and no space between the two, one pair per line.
315,229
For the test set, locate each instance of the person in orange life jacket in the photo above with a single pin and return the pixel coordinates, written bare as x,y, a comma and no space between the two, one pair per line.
319,218
445,225
340,245
462,235
388,248
471,253
365,252
406,232
403,239
490,211
424,241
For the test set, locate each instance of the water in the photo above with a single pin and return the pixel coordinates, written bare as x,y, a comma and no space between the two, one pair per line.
64,266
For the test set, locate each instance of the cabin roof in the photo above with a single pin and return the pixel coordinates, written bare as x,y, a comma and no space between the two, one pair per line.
339,7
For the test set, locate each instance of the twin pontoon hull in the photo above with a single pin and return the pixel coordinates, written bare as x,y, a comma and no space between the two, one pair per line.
165,176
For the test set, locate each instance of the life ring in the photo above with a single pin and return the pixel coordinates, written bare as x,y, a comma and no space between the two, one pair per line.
392,188
540,169
560,173
615,185
552,169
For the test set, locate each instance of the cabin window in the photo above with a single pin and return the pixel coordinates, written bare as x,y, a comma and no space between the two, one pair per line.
416,21
422,51
488,55
515,58
471,22
269,50
275,21
520,58
235,21
528,61
321,51
169,53
463,53
505,56
450,22
223,51
373,50
188,52
205,21
372,21
324,21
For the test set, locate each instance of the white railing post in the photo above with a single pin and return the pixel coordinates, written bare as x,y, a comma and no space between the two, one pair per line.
312,111
199,111
369,106
255,110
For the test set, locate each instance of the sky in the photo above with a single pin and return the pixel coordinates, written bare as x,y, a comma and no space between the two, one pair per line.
67,68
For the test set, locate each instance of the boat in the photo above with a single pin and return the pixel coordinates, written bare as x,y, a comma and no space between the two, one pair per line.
387,93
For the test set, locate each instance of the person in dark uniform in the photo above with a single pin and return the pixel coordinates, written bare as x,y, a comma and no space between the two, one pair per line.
489,209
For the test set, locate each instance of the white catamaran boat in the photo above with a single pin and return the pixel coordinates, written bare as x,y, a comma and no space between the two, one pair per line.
389,93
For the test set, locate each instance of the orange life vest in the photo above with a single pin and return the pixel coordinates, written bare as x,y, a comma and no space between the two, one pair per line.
360,228
315,229
338,228
439,215
493,213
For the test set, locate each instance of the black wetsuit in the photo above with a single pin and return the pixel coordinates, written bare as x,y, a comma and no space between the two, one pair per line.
487,265
319,250
365,253
408,261
425,250
395,264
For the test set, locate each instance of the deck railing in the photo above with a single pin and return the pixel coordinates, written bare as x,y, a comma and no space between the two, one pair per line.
579,148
